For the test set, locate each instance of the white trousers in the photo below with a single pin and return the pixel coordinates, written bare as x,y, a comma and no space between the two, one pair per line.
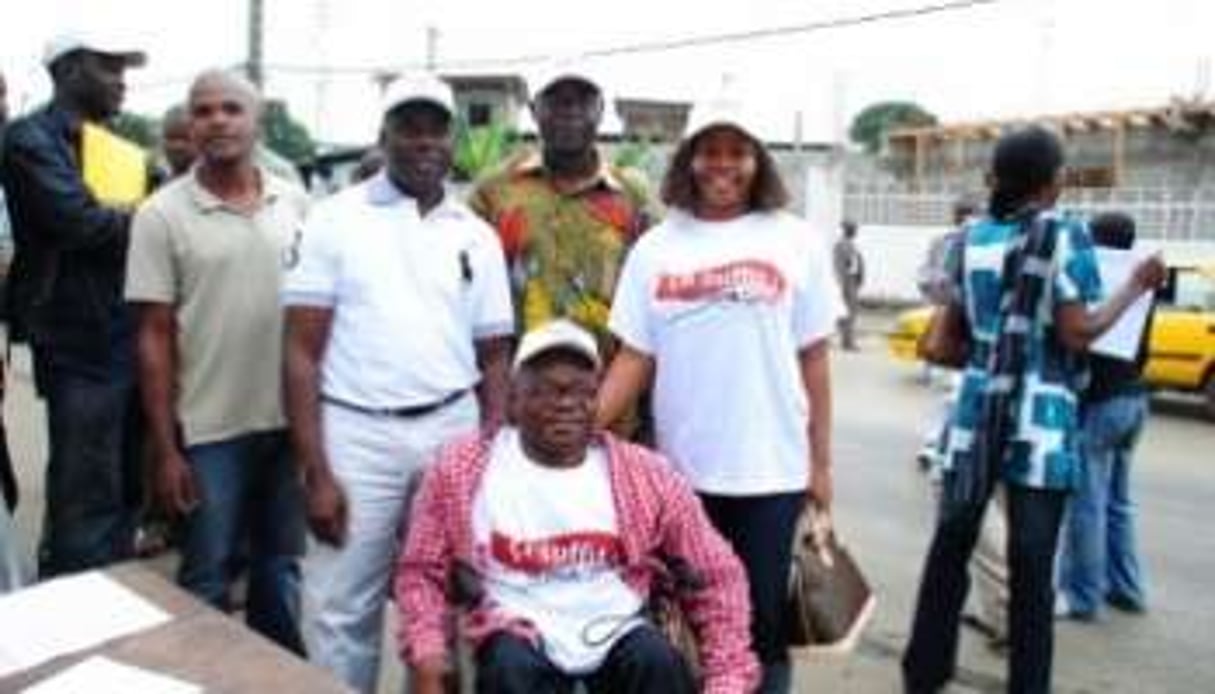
374,459
10,563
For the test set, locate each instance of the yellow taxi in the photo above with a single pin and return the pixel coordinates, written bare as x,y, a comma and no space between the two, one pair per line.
1181,348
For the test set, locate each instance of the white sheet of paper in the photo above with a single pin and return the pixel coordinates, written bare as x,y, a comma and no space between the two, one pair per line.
67,615
100,674
1122,339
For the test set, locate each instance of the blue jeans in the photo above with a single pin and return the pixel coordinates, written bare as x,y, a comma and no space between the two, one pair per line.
760,530
94,473
251,514
1099,558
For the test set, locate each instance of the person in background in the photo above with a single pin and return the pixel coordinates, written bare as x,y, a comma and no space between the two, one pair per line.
177,147
728,307
988,566
156,532
65,299
565,533
1100,563
399,326
1029,286
370,164
934,282
850,274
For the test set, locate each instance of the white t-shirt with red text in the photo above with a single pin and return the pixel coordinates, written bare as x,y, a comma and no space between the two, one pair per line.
723,308
547,544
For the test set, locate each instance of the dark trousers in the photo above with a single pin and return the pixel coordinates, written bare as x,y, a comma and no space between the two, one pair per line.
93,476
251,514
1034,517
760,530
641,662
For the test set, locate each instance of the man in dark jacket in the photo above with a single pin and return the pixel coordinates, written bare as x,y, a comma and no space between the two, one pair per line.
65,300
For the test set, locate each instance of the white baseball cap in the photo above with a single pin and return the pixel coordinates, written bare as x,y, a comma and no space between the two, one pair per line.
721,110
731,103
424,87
560,334
94,41
556,72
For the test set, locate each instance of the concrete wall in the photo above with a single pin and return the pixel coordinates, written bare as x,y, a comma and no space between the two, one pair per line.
893,255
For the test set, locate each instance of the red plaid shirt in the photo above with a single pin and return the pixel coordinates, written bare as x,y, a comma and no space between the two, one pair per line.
658,514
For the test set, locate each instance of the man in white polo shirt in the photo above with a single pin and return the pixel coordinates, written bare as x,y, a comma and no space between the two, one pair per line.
397,310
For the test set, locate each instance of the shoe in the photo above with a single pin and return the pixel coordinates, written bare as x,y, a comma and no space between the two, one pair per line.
1063,610
152,540
1124,604
926,457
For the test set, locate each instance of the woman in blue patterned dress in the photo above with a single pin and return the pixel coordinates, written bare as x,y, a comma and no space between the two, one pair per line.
1028,282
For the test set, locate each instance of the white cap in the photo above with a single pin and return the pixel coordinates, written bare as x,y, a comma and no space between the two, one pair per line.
730,103
560,334
423,87
93,41
720,111
563,71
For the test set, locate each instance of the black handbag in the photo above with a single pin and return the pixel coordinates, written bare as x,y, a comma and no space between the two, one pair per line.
946,340
830,602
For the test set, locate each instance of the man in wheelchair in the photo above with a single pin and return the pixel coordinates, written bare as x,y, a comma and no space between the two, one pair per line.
559,537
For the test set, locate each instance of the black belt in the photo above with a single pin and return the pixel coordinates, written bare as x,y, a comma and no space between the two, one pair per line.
411,412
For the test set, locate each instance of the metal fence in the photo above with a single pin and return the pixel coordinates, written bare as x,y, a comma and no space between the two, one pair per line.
1160,213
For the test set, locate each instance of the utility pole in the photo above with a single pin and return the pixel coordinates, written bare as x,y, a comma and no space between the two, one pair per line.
254,62
432,48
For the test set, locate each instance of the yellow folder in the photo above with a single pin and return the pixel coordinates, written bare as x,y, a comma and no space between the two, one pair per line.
115,169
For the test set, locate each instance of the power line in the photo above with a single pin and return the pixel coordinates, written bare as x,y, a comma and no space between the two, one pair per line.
614,51
773,32
663,45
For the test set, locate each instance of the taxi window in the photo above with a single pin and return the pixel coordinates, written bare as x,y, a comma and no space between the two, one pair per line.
1193,291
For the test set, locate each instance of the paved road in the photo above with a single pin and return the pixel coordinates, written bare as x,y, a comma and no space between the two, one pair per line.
883,513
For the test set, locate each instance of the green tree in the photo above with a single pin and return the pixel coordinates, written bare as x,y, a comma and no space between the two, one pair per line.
632,154
284,135
479,150
140,129
870,126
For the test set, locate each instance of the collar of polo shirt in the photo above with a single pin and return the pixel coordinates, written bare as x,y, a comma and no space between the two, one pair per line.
381,192
207,201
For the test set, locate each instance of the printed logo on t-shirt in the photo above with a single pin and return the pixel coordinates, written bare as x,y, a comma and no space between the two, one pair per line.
291,253
742,281
568,552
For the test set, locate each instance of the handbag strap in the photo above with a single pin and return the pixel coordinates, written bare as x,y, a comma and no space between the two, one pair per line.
816,532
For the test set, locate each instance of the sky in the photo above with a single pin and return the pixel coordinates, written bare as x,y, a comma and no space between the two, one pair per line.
1006,58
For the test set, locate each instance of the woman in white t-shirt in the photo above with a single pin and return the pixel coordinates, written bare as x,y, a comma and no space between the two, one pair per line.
727,307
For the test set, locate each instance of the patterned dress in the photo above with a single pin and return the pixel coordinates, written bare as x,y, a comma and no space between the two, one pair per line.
1043,452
